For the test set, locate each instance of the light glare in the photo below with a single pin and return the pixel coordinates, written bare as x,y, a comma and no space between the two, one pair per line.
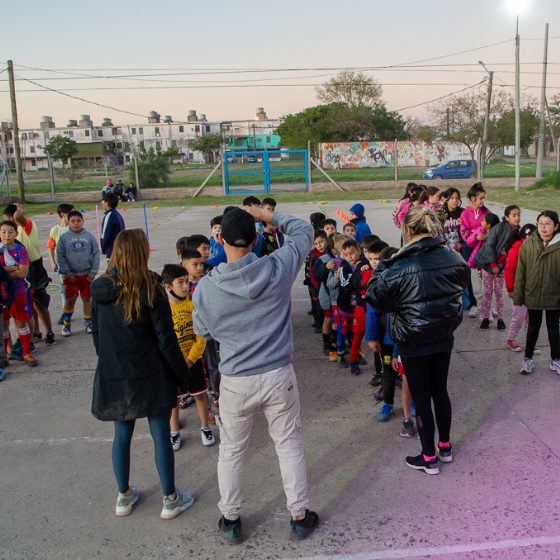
517,7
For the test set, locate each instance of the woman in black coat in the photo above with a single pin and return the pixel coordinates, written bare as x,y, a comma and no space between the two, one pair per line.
140,366
422,286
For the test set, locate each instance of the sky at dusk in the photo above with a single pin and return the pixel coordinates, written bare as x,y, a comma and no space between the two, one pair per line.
201,46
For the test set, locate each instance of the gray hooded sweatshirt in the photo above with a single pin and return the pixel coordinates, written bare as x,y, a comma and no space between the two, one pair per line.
246,305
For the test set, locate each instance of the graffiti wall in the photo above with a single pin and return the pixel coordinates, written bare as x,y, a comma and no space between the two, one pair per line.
345,155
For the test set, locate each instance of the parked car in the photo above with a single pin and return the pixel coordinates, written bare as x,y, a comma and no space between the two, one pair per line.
454,169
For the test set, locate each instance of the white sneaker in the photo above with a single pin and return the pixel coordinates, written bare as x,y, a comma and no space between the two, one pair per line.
126,503
555,366
183,501
66,330
527,367
176,441
207,436
473,312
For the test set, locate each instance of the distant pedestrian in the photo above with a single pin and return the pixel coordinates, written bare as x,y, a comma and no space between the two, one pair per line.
112,224
139,367
357,214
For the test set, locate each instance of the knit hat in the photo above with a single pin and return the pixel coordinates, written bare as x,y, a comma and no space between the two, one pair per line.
358,209
238,228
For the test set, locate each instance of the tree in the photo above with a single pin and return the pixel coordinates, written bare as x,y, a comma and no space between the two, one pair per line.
461,118
153,169
351,89
504,128
62,148
207,145
337,122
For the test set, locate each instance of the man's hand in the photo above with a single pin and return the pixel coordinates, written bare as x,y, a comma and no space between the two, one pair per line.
90,278
259,213
374,345
70,278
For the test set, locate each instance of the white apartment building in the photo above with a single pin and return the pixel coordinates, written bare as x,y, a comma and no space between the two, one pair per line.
114,145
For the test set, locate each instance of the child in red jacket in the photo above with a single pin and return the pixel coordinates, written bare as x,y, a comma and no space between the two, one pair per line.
519,312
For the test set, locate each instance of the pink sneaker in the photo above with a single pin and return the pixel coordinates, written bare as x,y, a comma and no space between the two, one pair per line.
512,345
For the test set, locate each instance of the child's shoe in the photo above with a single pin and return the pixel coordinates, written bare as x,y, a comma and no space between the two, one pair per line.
385,413
375,381
512,345
172,508
485,324
30,360
445,452
176,440
66,330
378,395
88,327
333,356
126,503
207,436
355,369
49,339
501,326
342,363
407,428
421,464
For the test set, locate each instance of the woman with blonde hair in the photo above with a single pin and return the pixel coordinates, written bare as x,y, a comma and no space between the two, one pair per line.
139,368
422,287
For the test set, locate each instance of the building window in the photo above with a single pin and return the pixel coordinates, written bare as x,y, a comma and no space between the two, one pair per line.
24,136
47,134
197,128
133,130
156,130
158,146
140,130
69,133
99,133
86,132
207,128
32,149
181,128
115,131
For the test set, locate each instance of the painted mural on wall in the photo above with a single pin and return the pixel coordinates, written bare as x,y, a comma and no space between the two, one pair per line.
345,155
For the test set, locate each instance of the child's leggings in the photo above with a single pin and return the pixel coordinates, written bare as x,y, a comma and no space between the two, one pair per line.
518,319
389,376
493,285
344,329
358,331
165,463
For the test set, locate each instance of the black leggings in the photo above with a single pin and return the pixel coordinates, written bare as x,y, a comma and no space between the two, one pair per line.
389,375
552,326
427,379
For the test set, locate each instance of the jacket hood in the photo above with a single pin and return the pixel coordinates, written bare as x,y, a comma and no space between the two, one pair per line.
104,290
247,278
358,209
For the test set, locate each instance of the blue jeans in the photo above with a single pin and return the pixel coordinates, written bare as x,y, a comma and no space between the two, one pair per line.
165,462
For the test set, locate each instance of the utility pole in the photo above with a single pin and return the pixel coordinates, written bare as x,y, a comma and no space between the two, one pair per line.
447,123
540,147
486,122
15,132
517,111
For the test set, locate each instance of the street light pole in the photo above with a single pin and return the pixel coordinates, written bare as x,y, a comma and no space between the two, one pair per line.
540,147
517,111
486,122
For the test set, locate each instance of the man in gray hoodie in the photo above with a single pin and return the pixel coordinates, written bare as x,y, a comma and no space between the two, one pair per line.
245,305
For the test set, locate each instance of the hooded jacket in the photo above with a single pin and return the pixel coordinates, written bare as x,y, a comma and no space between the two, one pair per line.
492,251
537,274
422,286
140,365
246,305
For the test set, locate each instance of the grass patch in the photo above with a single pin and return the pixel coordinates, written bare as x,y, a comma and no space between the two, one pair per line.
552,181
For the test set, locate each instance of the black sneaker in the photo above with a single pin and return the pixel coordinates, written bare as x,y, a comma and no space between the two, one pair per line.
342,363
37,337
407,429
355,369
501,326
445,453
485,324
231,530
375,381
301,529
378,395
49,339
420,464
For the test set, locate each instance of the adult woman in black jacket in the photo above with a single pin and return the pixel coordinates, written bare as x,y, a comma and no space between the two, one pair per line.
139,367
422,286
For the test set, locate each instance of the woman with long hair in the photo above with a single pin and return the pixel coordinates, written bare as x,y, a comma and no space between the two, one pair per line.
422,287
139,368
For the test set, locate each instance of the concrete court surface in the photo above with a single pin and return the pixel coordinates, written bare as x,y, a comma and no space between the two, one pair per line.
497,500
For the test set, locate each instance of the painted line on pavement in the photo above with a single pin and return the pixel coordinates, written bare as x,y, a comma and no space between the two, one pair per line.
63,441
442,550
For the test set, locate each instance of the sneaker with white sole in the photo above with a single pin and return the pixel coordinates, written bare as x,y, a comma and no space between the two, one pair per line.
555,366
176,441
172,508
66,330
445,453
420,464
527,366
513,345
473,312
207,436
126,503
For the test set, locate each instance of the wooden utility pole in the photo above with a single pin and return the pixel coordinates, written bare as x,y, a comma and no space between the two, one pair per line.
15,132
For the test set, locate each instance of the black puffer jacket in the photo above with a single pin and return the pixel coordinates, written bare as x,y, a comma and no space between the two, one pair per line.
140,365
422,287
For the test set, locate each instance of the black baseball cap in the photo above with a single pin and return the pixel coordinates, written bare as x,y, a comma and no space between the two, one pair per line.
238,228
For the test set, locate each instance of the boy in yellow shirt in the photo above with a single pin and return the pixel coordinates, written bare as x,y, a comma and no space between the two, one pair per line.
176,283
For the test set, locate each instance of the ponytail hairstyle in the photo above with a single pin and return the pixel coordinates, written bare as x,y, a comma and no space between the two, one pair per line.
420,220
130,262
409,187
475,190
